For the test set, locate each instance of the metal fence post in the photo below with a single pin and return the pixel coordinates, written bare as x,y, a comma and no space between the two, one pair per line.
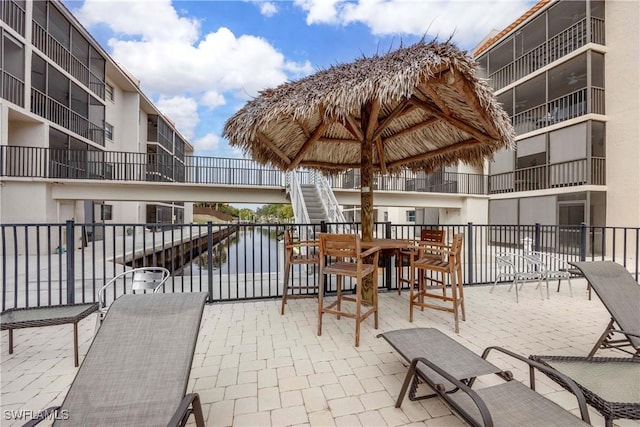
71,291
210,256
323,229
470,259
583,241
536,238
387,258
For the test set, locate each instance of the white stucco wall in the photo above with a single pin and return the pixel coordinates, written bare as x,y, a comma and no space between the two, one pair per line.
622,86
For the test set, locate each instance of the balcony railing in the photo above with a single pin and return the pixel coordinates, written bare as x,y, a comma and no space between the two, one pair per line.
64,58
437,182
53,264
12,89
557,110
13,15
565,174
62,115
558,46
36,162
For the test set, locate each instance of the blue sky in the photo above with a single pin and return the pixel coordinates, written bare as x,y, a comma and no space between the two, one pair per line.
200,61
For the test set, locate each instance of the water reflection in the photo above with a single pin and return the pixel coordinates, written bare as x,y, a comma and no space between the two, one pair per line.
248,250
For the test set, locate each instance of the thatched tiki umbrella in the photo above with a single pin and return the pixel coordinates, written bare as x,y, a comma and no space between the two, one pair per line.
416,108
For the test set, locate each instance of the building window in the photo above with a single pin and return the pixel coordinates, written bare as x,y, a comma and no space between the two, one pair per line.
411,216
108,131
106,212
109,92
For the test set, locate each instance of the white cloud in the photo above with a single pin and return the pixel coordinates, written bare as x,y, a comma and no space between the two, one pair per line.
207,143
320,11
182,111
268,8
298,70
212,99
470,20
147,19
177,64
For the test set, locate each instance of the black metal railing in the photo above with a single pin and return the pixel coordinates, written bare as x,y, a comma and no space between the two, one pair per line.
52,110
554,175
39,162
12,88
551,50
566,107
52,264
13,14
62,56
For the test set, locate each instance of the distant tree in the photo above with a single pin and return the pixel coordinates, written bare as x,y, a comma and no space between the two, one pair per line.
278,211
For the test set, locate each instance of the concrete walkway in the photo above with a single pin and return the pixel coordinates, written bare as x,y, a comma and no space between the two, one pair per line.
254,367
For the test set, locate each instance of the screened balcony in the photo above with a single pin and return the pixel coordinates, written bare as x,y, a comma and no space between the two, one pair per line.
52,110
555,175
12,13
64,45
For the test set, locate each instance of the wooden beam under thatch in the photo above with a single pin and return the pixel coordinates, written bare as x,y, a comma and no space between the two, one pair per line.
430,93
266,141
400,110
412,129
434,110
353,126
315,136
437,152
475,102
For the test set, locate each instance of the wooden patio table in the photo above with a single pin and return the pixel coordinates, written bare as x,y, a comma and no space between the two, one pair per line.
389,247
32,317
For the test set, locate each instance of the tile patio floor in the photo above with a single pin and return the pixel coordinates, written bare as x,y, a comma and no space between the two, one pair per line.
254,367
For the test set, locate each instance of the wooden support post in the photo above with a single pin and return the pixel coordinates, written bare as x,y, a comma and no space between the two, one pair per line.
368,121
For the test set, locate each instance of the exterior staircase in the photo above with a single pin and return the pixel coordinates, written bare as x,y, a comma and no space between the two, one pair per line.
314,205
314,202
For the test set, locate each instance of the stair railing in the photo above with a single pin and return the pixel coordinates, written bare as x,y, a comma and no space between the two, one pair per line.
328,199
300,212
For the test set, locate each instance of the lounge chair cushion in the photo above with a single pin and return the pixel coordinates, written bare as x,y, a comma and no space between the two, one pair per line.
137,368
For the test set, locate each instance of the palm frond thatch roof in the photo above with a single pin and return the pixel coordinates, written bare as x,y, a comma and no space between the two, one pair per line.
421,107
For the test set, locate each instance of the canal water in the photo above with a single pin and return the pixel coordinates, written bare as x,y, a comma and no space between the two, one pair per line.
248,250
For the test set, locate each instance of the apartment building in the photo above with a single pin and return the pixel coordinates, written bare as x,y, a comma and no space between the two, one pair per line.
568,74
66,108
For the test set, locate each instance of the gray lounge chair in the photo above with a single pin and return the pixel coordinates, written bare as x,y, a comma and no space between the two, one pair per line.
139,280
450,369
620,294
137,368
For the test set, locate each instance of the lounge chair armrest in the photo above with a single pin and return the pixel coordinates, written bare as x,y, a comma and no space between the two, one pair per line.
477,400
582,403
42,415
190,404
627,333
370,251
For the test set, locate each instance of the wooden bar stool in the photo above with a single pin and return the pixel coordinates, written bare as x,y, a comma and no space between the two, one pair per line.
404,256
449,262
307,255
340,255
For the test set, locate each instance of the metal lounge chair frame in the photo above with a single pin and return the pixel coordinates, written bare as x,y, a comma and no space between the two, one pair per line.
518,268
142,279
552,267
137,369
450,370
620,294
